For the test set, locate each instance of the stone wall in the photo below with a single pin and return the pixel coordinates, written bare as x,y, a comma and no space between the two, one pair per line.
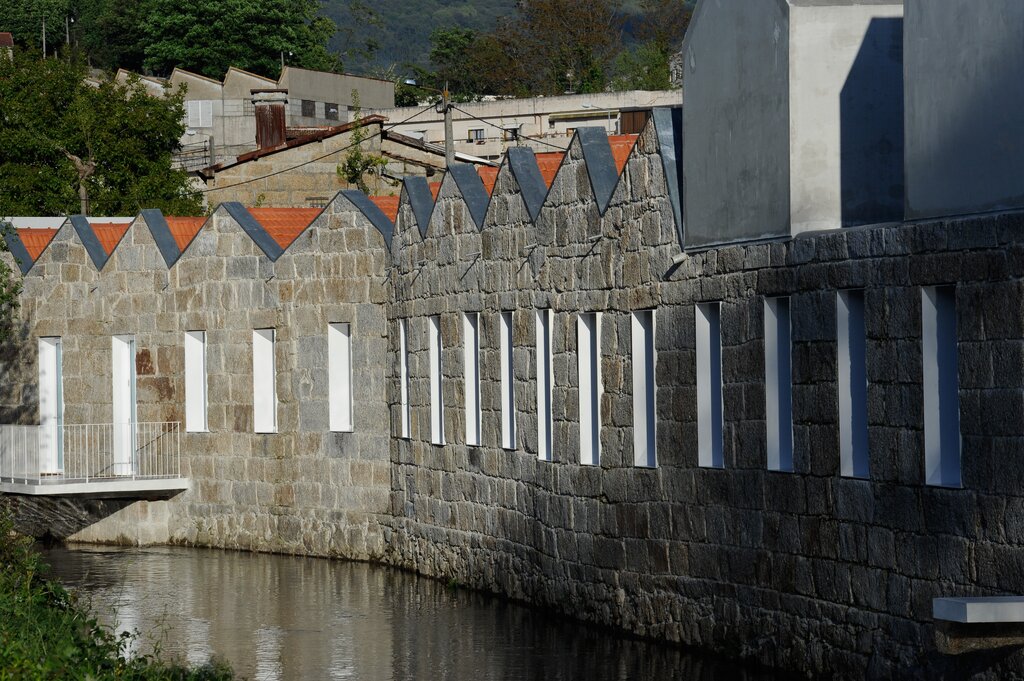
805,570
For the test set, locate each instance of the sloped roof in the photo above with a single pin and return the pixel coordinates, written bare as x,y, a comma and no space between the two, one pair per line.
36,240
489,176
388,205
109,233
549,162
284,225
622,147
184,229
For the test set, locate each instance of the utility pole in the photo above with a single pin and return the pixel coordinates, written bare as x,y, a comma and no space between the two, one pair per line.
449,137
67,30
44,37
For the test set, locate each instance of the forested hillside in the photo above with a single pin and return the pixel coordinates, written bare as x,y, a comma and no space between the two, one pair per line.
401,29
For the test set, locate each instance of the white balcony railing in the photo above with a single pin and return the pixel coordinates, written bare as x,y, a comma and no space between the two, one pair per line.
89,453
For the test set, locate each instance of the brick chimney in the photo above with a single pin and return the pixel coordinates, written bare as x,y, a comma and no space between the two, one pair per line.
270,117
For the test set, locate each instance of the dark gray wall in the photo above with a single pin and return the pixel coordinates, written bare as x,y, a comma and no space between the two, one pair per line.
964,67
736,123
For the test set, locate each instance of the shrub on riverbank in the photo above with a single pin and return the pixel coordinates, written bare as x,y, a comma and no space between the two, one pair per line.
46,634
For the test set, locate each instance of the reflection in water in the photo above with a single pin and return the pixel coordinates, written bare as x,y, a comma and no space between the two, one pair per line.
282,617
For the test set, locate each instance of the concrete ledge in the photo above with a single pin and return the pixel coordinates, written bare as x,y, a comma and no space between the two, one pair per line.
986,610
153,488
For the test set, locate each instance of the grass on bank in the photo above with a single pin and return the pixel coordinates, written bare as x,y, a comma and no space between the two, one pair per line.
46,634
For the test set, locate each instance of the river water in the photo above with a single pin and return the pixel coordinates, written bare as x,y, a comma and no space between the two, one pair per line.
284,617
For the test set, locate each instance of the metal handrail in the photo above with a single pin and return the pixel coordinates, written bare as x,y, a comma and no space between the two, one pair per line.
88,452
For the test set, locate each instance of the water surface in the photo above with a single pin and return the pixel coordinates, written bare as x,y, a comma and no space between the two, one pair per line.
285,617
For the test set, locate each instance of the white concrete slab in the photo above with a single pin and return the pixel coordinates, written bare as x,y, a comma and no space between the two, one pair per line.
985,610
111,487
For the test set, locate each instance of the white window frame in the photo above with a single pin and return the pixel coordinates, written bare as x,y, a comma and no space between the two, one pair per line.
403,377
942,442
778,384
264,380
436,381
471,376
339,371
851,352
710,408
545,385
590,386
508,382
645,417
196,390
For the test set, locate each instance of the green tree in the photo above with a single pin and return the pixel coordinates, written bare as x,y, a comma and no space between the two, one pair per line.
110,33
208,36
24,19
358,164
66,145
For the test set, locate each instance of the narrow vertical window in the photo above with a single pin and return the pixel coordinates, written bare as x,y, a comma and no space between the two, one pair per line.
851,339
588,357
545,379
709,385
778,384
51,405
339,370
264,382
941,389
644,414
436,394
508,391
123,404
195,382
471,374
403,351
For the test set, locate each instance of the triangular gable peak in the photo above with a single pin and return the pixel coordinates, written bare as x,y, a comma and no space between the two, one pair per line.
26,239
139,250
418,196
171,234
100,236
639,215
66,248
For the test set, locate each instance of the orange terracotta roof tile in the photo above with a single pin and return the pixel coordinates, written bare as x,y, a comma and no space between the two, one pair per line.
184,229
622,146
388,205
36,240
549,162
435,189
109,233
489,175
285,225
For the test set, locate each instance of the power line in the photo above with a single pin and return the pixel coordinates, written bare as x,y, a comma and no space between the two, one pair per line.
318,158
495,125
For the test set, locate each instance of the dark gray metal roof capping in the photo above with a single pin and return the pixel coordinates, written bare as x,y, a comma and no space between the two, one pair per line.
16,248
421,200
523,163
254,229
473,192
668,124
161,232
372,213
89,239
597,152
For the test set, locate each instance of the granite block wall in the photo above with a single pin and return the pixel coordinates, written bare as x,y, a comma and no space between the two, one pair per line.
804,570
